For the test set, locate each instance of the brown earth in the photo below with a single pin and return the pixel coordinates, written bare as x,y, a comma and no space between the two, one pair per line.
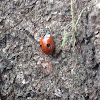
28,74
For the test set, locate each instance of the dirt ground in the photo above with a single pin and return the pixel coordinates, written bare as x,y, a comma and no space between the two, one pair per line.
26,73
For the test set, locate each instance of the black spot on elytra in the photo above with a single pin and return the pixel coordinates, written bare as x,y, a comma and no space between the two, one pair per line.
48,45
40,45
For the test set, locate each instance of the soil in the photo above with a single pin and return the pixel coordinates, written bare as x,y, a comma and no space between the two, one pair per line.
26,73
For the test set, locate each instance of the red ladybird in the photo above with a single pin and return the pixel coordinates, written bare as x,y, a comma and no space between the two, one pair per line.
47,44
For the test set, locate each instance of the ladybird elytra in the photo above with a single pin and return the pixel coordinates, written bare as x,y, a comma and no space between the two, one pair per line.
46,44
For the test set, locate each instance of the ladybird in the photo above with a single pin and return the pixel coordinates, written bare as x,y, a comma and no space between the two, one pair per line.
46,44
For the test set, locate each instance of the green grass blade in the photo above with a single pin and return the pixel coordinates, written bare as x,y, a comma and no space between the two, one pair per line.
79,16
65,36
64,39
